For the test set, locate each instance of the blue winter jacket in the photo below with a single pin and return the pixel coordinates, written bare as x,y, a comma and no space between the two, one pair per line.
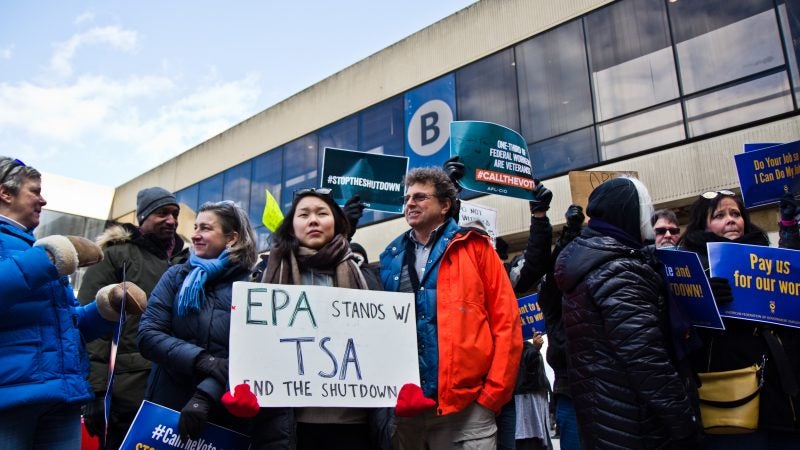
392,260
42,327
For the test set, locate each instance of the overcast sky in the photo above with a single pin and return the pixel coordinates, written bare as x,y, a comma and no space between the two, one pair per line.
102,91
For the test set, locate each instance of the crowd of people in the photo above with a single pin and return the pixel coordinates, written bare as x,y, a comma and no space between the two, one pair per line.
625,361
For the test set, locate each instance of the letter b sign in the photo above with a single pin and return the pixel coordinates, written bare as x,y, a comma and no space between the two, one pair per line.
429,128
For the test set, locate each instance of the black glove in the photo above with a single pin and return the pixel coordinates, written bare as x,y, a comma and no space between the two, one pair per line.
721,288
94,417
194,416
574,216
455,170
212,366
788,207
353,209
543,197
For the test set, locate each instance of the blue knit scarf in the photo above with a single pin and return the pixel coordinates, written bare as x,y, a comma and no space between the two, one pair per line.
193,296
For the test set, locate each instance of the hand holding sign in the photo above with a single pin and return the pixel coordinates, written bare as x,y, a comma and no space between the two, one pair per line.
541,198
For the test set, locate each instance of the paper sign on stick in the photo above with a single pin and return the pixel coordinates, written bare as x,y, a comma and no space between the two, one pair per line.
583,182
322,346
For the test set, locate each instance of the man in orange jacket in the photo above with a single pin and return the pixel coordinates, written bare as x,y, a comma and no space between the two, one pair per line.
468,329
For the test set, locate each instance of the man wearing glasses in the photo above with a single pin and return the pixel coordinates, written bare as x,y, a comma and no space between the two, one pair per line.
665,225
468,329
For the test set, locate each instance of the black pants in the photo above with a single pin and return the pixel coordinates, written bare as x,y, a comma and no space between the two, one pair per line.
317,436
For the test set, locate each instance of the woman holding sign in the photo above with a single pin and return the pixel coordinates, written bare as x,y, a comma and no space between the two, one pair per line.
186,326
721,217
312,248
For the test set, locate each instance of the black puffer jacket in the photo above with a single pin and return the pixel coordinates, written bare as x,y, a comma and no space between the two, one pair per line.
173,342
624,386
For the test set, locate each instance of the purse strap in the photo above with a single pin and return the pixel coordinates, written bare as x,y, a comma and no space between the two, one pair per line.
744,400
732,403
784,368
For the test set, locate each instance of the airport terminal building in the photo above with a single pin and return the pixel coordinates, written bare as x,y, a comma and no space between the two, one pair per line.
670,89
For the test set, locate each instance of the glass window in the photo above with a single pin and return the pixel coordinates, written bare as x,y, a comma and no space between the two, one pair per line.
342,134
790,23
210,190
631,57
382,128
188,196
641,131
237,185
266,177
742,103
554,91
721,40
567,152
299,167
487,90
263,237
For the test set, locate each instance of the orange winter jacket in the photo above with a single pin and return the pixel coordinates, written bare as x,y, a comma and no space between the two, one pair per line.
480,337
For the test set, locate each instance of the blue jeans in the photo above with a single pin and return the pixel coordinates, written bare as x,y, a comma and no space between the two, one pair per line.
41,427
567,423
507,427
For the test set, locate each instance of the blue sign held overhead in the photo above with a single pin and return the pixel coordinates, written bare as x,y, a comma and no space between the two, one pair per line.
765,175
765,281
530,315
688,286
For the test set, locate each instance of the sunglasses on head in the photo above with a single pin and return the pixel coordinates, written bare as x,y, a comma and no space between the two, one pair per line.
318,191
14,164
711,195
663,230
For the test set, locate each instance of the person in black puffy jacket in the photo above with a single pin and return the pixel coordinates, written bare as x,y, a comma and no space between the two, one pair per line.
624,385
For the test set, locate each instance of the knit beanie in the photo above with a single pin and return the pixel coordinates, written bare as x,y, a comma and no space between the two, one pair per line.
150,199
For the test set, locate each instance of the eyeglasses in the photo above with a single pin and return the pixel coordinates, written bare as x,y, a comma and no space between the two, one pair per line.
14,164
418,197
306,191
711,195
663,230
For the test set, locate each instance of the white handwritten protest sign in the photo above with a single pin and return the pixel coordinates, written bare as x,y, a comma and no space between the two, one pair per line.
322,346
471,212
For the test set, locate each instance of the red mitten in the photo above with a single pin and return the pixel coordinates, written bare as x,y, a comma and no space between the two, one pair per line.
243,403
411,401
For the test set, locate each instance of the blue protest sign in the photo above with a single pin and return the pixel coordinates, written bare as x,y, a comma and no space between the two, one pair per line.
753,146
429,109
156,427
688,286
496,159
378,179
766,175
530,315
764,280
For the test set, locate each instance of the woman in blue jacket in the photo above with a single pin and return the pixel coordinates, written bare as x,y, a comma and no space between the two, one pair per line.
43,363
186,327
